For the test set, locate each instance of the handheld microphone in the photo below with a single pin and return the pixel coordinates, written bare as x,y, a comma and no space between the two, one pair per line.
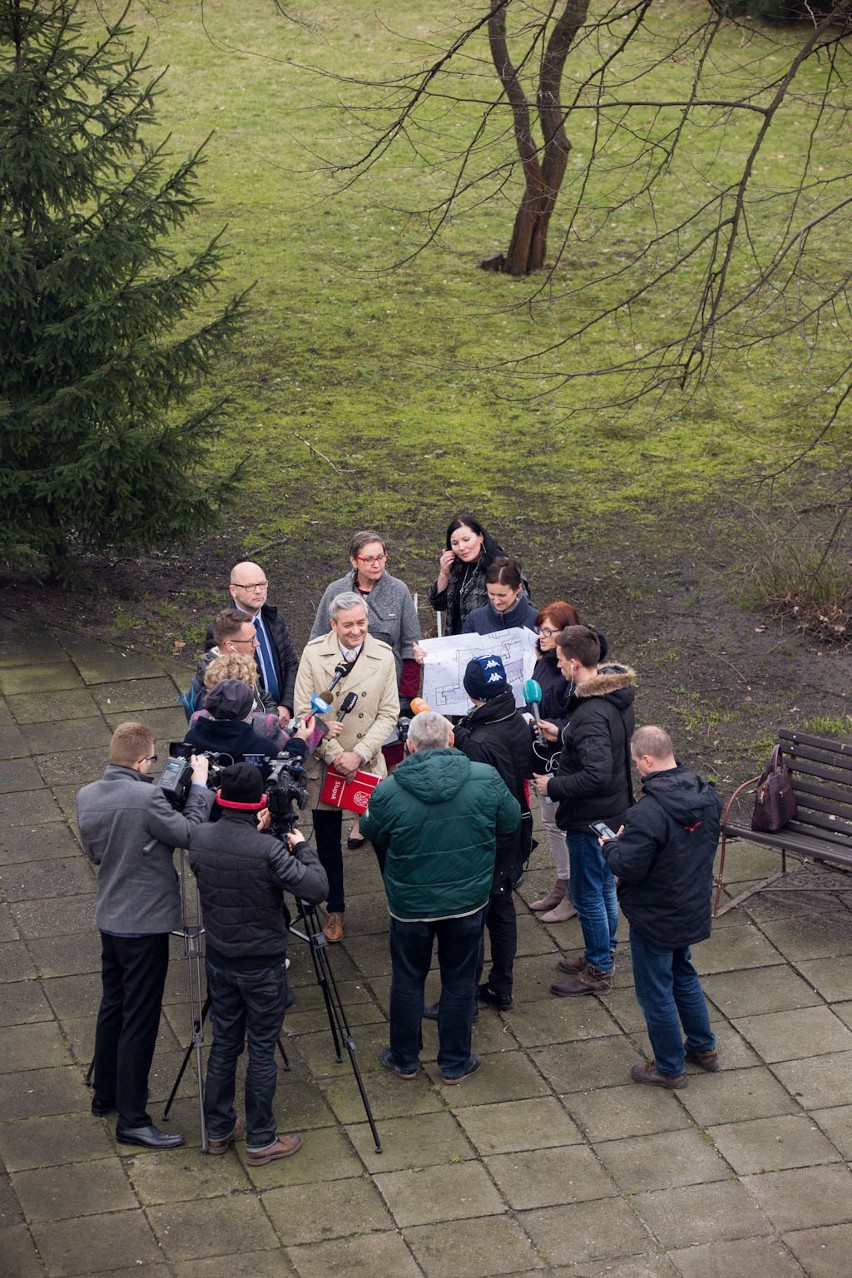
319,705
532,696
341,670
419,706
348,703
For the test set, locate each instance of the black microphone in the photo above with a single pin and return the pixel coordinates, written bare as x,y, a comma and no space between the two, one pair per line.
348,703
341,670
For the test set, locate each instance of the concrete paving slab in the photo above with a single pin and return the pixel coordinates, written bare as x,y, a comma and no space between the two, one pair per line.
803,1197
71,767
15,963
599,1062
69,1191
389,1096
28,646
811,936
836,1123
44,738
784,1036
56,676
38,1043
735,1095
581,1232
33,1092
65,955
13,743
313,1213
696,1214
730,949
844,1011
823,1253
425,1195
423,1140
19,1253
747,1258
53,707
327,1154
222,1226
18,774
27,808
772,1144
653,1266
546,1177
40,843
831,977
504,1076
818,1082
381,1255
136,696
62,877
767,989
508,1126
74,1137
249,1264
663,1160
559,1020
99,663
96,1243
473,1248
610,1113
185,1175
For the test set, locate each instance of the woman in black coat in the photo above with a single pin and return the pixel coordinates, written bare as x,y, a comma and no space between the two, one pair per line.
460,584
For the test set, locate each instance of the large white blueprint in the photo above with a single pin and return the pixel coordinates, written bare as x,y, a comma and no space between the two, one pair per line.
447,658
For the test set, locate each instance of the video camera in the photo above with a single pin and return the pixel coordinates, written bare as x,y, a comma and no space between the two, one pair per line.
176,777
284,789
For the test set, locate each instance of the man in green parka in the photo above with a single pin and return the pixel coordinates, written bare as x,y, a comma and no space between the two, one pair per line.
434,825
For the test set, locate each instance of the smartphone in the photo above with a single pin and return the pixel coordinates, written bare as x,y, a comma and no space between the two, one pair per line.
602,830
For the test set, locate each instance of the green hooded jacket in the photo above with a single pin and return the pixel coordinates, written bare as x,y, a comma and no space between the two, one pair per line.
434,825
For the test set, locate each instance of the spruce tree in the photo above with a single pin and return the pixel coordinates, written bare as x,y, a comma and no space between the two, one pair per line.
103,431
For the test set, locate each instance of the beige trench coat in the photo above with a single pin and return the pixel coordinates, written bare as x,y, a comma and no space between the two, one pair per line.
368,726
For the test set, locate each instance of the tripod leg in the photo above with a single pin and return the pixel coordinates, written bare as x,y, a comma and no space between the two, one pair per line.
196,1030
284,1057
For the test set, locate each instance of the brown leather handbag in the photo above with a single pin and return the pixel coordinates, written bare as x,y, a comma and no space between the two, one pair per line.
775,800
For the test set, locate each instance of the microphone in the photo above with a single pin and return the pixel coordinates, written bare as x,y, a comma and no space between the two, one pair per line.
532,696
348,703
341,670
419,706
319,705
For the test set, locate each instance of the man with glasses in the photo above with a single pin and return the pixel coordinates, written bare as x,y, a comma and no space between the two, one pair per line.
274,652
132,841
232,633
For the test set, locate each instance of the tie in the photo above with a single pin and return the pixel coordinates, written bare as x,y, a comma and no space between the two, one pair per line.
265,663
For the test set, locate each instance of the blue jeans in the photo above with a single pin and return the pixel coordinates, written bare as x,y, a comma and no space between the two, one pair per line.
411,944
244,1004
670,995
592,892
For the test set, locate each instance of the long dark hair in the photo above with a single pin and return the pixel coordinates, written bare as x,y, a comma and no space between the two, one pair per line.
491,549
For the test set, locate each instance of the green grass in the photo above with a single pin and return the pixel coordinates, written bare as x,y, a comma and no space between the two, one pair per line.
403,378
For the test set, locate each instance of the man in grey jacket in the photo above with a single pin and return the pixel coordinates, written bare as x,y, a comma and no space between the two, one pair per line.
131,837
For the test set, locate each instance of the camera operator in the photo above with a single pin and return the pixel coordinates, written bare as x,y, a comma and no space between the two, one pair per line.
241,875
131,838
230,732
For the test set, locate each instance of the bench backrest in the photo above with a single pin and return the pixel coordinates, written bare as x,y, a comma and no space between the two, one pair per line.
822,779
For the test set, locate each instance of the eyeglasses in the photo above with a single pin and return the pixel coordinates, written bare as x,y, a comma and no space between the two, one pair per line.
547,631
253,641
151,758
250,585
369,560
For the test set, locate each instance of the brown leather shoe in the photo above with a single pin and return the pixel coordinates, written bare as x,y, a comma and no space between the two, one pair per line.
222,1146
708,1061
648,1073
333,928
573,965
554,896
281,1147
589,981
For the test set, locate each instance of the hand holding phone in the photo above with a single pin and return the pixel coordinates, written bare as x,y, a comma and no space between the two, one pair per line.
602,830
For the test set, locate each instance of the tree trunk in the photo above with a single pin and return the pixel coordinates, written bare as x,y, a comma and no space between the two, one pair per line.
543,168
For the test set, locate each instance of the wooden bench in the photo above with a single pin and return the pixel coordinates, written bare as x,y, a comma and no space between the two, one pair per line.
822,828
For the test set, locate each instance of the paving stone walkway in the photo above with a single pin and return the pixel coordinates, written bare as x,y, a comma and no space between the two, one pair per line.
548,1161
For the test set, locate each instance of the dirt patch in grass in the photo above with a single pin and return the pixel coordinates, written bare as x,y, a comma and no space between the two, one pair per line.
672,593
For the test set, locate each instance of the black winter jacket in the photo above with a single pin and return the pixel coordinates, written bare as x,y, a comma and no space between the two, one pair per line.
487,620
664,858
497,733
592,779
241,876
283,652
236,738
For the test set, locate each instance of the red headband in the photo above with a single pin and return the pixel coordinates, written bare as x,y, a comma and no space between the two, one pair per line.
241,807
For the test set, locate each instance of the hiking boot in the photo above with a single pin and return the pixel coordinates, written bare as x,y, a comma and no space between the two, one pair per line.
485,994
589,981
221,1146
708,1061
554,896
281,1147
648,1073
560,913
578,964
333,927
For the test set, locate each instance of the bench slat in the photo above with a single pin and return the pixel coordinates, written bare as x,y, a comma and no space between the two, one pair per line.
827,744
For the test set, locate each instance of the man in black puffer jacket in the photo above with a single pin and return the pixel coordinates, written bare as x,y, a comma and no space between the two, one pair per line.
663,857
495,732
591,783
241,875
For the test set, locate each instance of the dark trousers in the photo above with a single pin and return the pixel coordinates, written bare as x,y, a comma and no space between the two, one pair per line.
501,923
328,831
459,943
244,1005
133,976
671,997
